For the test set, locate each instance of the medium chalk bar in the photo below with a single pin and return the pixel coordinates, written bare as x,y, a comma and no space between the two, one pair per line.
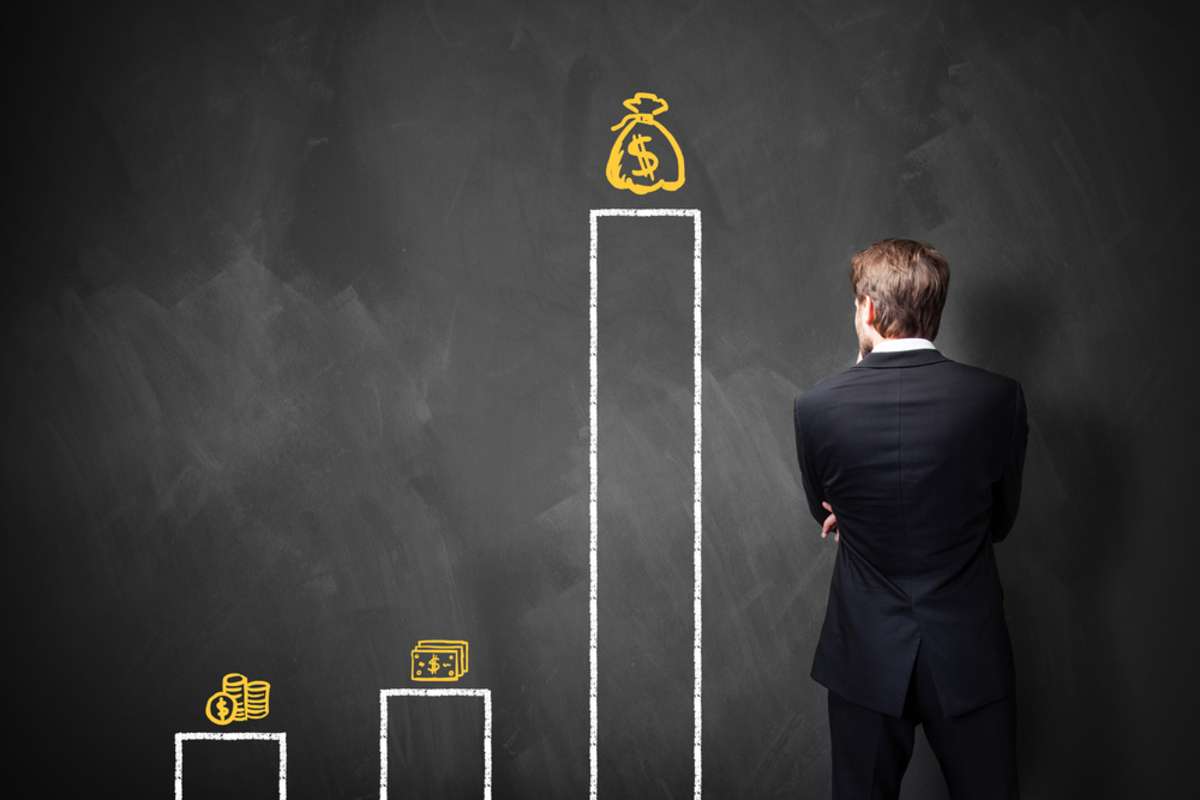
385,695
280,739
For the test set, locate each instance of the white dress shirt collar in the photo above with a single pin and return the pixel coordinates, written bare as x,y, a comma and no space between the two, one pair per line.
907,343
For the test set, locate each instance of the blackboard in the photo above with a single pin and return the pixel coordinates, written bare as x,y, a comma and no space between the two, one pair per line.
296,366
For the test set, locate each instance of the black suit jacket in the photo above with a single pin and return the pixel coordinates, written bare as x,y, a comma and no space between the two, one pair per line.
920,457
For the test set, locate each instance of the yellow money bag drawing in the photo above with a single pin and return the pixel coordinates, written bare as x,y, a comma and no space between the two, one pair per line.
645,157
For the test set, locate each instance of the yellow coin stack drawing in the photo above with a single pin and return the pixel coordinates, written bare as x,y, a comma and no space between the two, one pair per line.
234,685
239,699
439,660
258,699
645,156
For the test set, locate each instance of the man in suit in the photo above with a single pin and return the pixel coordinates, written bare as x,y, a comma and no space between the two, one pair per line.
916,459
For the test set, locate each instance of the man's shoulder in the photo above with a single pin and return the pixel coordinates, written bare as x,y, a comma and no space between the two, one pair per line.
823,390
996,381
826,389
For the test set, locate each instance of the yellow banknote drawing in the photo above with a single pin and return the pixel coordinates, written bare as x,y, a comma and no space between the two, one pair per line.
439,660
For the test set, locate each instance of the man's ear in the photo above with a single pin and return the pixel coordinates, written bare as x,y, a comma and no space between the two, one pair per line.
870,311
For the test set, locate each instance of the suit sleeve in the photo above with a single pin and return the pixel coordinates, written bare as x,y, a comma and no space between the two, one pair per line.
808,475
1006,492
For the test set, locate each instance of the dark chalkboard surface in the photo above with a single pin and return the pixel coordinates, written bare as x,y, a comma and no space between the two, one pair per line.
296,369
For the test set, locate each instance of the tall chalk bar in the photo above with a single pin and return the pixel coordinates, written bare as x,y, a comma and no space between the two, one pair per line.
645,503
435,743
231,766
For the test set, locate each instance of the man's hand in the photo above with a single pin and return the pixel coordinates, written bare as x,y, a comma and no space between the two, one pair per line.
830,523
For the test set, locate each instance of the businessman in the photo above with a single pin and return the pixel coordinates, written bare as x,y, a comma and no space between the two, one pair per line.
913,462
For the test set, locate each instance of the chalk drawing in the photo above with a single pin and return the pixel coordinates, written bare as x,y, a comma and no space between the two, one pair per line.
697,485
279,738
238,700
645,142
441,660
484,694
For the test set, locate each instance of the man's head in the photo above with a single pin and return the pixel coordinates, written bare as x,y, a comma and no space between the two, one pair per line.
899,290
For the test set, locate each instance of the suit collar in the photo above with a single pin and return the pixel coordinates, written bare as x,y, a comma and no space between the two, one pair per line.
900,358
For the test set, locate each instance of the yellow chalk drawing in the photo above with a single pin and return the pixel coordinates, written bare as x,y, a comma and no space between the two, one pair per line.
645,156
238,700
221,708
441,660
234,684
258,699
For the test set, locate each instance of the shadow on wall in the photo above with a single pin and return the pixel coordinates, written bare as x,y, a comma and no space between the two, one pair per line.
1059,564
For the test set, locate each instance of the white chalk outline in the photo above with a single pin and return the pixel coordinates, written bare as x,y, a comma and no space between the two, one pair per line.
697,530
697,519
486,694
280,738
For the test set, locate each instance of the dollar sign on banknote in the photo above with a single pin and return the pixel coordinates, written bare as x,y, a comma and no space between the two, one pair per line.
645,156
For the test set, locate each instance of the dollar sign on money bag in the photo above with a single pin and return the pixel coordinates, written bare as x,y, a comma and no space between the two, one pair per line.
645,156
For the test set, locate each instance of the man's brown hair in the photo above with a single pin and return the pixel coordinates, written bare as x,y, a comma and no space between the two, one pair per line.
908,281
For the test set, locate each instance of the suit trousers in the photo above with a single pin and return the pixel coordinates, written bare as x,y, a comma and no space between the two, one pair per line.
871,750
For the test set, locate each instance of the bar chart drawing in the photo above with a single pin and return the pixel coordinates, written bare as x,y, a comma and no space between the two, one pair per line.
697,520
278,738
484,694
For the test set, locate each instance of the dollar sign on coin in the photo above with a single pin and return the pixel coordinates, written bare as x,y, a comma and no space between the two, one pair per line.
647,161
220,708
